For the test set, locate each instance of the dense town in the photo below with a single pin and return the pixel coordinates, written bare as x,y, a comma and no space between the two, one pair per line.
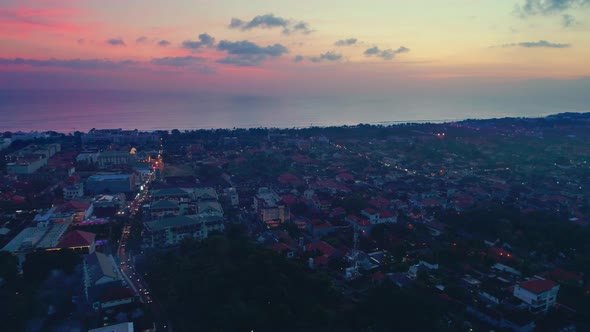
476,225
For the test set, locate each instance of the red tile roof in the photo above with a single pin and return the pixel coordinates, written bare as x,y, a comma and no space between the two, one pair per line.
73,206
561,275
320,261
322,246
538,286
369,211
289,199
76,239
286,178
279,247
386,214
364,223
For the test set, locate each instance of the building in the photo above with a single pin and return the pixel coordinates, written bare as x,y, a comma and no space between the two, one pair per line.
164,208
26,165
123,327
270,208
170,193
22,136
232,196
119,136
109,201
171,231
4,143
539,294
88,156
75,211
116,296
46,235
30,158
78,241
108,159
100,273
73,191
119,183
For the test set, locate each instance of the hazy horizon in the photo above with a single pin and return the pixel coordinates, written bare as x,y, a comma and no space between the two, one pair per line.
81,110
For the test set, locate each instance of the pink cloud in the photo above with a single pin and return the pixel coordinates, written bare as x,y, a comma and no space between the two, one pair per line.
22,21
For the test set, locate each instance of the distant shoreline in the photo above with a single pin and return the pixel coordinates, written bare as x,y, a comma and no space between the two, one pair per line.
564,115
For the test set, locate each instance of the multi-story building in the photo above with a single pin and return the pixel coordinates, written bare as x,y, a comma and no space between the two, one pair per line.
171,231
73,191
112,183
88,156
30,158
119,136
539,294
108,159
232,196
270,208
26,165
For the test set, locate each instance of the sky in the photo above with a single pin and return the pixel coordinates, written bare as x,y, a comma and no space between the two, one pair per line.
305,47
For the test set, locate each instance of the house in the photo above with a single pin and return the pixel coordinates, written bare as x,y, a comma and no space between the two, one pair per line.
540,294
435,228
493,291
371,215
362,224
400,279
320,228
283,249
387,217
564,277
323,248
518,321
506,269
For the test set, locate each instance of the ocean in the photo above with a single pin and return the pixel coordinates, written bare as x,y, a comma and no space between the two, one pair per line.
69,111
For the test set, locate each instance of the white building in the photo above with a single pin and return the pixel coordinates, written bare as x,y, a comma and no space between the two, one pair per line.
123,327
73,191
88,156
232,196
539,294
172,231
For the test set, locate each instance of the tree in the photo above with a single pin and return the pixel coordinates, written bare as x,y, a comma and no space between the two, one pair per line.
8,266
38,264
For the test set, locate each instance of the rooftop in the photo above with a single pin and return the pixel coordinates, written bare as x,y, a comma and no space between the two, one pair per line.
161,224
77,239
109,177
538,286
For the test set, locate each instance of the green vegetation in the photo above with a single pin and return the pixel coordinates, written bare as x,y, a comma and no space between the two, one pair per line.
229,284
21,298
